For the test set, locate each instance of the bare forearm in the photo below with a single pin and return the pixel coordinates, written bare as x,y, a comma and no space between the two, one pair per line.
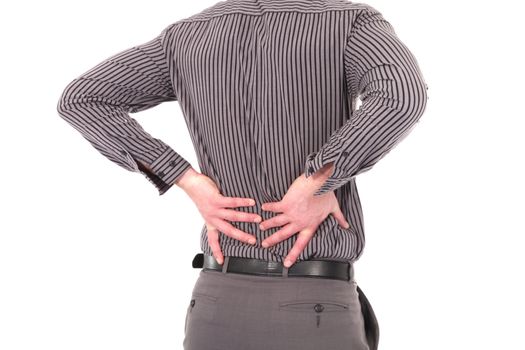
316,180
185,180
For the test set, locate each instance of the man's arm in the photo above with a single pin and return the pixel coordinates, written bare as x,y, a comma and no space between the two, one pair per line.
98,102
382,70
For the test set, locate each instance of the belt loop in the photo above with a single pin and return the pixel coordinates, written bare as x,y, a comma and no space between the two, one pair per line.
225,264
350,272
285,271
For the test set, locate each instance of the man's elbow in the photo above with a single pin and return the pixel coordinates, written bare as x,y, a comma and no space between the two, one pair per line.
63,102
414,101
420,101
70,100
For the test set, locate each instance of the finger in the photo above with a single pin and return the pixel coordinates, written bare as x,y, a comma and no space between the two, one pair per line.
234,215
233,232
213,242
300,244
277,207
279,236
233,202
340,218
279,220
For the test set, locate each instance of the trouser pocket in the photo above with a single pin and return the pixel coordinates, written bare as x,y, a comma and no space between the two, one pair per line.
314,310
202,308
201,316
313,305
318,322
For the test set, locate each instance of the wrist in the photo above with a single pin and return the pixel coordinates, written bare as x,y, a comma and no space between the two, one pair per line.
186,179
324,172
317,179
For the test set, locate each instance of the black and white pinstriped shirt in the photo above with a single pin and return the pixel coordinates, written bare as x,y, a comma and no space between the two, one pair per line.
268,90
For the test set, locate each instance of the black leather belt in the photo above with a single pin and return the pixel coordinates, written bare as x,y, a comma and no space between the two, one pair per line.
305,268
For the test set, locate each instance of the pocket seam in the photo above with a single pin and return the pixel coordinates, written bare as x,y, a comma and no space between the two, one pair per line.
288,305
206,296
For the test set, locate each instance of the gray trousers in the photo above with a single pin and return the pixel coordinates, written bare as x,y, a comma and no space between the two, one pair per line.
229,311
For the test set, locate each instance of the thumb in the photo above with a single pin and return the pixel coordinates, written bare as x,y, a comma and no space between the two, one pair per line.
213,242
338,215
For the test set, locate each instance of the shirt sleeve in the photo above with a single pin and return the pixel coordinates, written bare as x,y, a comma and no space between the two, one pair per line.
98,104
384,73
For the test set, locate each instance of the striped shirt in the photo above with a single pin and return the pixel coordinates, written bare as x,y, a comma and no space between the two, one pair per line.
269,90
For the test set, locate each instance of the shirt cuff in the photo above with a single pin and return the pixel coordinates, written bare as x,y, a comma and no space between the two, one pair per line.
316,160
165,170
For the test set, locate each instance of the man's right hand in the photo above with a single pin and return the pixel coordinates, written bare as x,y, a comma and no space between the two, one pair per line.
213,207
300,212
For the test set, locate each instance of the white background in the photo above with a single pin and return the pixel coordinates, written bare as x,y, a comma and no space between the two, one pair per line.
91,257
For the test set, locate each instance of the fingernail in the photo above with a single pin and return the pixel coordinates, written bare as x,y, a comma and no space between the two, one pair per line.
261,227
252,202
219,261
251,240
263,207
287,263
265,244
347,225
257,219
